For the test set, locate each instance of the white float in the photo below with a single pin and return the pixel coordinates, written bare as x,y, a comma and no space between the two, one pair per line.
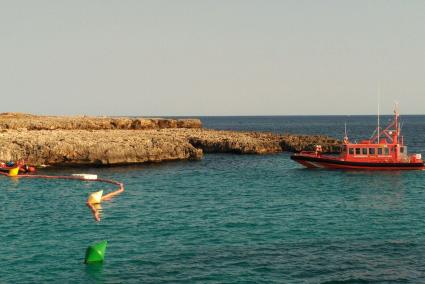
86,176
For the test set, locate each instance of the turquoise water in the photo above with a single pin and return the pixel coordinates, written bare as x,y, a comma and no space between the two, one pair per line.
225,219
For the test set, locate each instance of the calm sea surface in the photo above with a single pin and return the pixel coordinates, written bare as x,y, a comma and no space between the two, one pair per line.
225,219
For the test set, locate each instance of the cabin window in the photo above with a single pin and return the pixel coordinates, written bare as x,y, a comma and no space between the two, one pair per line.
364,151
401,150
357,151
386,151
371,151
351,151
379,151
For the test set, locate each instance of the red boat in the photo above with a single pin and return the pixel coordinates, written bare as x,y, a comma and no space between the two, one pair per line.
385,151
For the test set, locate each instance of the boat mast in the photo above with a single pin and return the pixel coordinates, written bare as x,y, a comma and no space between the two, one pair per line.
379,110
345,134
345,130
397,125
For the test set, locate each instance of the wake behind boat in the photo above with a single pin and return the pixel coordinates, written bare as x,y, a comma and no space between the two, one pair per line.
384,151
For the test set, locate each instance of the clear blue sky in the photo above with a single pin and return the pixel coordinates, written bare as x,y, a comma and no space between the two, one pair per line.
211,57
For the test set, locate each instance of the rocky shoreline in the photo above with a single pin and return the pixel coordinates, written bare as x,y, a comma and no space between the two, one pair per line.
85,140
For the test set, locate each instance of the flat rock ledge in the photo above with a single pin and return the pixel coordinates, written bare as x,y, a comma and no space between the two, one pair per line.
67,141
23,121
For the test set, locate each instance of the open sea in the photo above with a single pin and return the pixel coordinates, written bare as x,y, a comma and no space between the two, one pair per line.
225,219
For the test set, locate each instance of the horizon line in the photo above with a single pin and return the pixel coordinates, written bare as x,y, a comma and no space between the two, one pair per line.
208,115
265,115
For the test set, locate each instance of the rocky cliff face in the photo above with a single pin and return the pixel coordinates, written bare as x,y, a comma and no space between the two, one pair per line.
101,147
213,141
114,141
216,141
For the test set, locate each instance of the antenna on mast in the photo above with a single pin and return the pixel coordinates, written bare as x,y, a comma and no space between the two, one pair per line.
379,110
346,141
345,129
396,121
345,133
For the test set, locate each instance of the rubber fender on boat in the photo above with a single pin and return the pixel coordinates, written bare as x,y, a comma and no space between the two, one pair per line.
96,253
95,197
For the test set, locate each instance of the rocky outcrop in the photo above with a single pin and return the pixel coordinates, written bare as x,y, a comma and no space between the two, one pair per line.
213,141
19,121
115,141
102,147
297,143
259,143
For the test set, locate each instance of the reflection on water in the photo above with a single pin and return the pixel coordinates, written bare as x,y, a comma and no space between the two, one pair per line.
378,189
14,181
98,208
94,272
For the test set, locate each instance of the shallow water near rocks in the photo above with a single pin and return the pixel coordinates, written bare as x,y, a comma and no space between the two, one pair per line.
225,219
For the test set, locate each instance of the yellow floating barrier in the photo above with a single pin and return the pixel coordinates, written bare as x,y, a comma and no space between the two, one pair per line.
95,197
14,172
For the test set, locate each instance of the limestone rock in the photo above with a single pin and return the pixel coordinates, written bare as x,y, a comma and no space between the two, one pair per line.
121,140
297,143
33,122
101,147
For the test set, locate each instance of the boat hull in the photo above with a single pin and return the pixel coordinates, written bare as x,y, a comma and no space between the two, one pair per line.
334,163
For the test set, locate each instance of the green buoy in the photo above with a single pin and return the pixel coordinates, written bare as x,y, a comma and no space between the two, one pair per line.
96,253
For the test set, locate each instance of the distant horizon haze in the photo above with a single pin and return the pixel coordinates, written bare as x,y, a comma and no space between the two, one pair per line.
201,115
212,58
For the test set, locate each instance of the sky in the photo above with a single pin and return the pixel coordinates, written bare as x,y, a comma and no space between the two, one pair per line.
212,57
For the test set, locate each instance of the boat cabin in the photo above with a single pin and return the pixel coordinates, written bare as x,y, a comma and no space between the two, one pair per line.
369,151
